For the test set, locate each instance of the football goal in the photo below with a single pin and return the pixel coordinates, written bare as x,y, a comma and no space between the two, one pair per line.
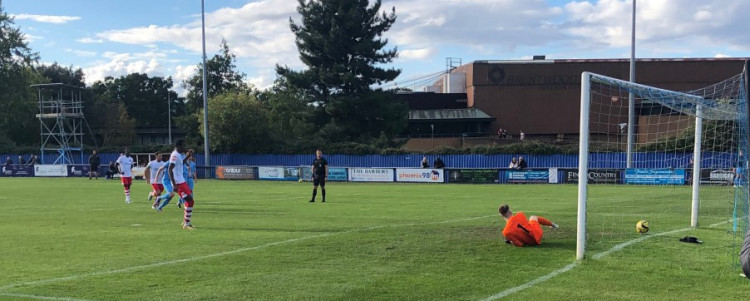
682,164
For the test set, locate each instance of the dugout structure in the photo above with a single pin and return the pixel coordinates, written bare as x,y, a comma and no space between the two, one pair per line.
61,122
685,141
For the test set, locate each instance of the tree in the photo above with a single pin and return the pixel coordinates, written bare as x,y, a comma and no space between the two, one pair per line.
58,74
290,116
17,99
115,127
145,98
221,77
239,123
341,43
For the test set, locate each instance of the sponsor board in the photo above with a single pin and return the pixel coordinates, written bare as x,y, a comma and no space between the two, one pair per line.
83,170
278,173
371,174
17,171
595,176
41,170
655,176
712,177
474,176
236,172
337,174
527,176
423,175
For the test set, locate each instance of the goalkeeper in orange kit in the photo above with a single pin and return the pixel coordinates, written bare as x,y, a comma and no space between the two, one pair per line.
519,231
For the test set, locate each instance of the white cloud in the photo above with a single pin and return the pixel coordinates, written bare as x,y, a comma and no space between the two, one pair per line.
81,53
30,38
417,54
685,26
88,40
118,64
46,18
258,33
721,55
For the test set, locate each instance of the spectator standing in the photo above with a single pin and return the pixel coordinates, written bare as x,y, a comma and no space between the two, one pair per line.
8,162
439,163
505,134
21,160
94,164
499,133
521,163
521,135
425,163
33,160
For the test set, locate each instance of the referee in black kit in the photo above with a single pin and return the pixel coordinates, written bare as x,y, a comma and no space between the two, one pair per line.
319,175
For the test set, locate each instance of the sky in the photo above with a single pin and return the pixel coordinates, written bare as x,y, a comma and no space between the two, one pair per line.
163,37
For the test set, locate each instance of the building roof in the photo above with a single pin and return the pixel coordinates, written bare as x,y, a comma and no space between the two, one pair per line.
450,115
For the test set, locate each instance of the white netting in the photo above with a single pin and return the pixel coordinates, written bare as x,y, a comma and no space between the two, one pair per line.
657,186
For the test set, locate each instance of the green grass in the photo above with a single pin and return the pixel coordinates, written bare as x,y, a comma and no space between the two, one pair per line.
75,238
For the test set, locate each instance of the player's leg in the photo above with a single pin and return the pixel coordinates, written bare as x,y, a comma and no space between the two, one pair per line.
543,221
316,182
184,191
191,184
126,182
536,232
164,199
323,188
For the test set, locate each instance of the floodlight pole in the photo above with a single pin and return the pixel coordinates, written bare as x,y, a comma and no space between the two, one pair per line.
205,89
169,109
631,101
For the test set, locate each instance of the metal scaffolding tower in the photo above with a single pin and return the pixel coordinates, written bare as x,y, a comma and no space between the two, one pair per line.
61,120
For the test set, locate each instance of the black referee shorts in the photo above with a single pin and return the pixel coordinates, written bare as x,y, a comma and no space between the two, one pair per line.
319,181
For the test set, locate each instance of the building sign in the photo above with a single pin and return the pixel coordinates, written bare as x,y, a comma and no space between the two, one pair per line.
661,176
527,176
236,172
474,176
419,175
17,171
595,176
371,174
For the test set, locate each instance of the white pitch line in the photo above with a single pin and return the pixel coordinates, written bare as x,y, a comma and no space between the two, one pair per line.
163,263
36,297
597,256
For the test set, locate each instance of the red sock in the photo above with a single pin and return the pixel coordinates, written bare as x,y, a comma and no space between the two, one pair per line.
544,221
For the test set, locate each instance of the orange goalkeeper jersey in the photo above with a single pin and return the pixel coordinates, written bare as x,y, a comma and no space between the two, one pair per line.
519,231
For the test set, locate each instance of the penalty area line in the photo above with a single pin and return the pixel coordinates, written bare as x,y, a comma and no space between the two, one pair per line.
37,297
597,256
170,262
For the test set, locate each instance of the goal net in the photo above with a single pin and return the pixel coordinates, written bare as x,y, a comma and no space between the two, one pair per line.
683,166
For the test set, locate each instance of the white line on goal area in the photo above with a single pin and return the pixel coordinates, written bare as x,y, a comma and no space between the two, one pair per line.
597,256
163,263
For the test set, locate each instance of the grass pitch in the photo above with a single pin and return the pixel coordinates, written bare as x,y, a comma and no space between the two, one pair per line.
76,239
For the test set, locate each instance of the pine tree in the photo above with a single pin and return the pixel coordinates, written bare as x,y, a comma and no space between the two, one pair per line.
341,43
